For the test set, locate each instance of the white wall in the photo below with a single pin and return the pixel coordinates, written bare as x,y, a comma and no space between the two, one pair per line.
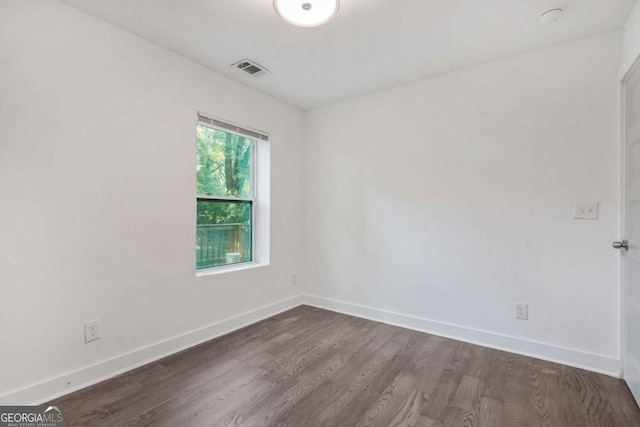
97,196
451,198
631,40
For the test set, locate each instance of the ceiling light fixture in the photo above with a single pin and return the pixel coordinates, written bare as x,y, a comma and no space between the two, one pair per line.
306,13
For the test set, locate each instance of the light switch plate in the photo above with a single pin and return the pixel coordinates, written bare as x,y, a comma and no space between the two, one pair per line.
586,210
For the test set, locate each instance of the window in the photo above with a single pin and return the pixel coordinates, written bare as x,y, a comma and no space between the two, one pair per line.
226,193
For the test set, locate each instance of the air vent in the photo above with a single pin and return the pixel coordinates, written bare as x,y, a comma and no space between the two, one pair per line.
250,67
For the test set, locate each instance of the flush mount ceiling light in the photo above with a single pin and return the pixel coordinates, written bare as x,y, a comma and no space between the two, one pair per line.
306,13
550,16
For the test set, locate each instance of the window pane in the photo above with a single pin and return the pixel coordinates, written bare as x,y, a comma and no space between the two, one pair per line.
224,163
223,233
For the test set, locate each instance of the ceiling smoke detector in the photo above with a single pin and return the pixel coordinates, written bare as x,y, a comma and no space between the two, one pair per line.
551,15
306,13
250,67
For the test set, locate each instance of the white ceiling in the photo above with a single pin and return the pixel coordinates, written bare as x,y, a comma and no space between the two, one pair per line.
370,45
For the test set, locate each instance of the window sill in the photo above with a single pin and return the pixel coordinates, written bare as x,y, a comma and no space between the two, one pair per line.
229,268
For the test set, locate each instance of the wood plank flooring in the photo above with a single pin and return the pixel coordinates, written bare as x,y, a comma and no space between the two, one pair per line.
311,367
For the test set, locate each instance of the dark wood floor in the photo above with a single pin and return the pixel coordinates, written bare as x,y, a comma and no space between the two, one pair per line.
311,367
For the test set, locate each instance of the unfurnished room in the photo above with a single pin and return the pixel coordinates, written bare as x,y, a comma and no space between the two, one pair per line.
331,213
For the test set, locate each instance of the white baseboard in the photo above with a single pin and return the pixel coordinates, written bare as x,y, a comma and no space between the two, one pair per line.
84,377
566,356
89,375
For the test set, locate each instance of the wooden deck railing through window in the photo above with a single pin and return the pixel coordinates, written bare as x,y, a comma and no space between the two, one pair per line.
222,244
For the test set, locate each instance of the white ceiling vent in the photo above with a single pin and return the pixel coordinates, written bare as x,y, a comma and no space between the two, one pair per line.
250,67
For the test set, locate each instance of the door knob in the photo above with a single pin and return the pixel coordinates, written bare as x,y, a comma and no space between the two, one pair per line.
621,245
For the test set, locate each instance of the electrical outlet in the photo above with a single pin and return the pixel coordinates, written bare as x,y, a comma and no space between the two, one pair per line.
294,279
91,331
522,311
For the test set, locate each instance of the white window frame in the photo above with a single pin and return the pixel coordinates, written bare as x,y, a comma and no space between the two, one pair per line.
257,260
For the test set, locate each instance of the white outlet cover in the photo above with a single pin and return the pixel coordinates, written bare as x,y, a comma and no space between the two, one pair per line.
521,311
91,331
586,210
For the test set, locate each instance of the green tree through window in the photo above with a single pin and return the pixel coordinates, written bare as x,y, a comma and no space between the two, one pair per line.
225,197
